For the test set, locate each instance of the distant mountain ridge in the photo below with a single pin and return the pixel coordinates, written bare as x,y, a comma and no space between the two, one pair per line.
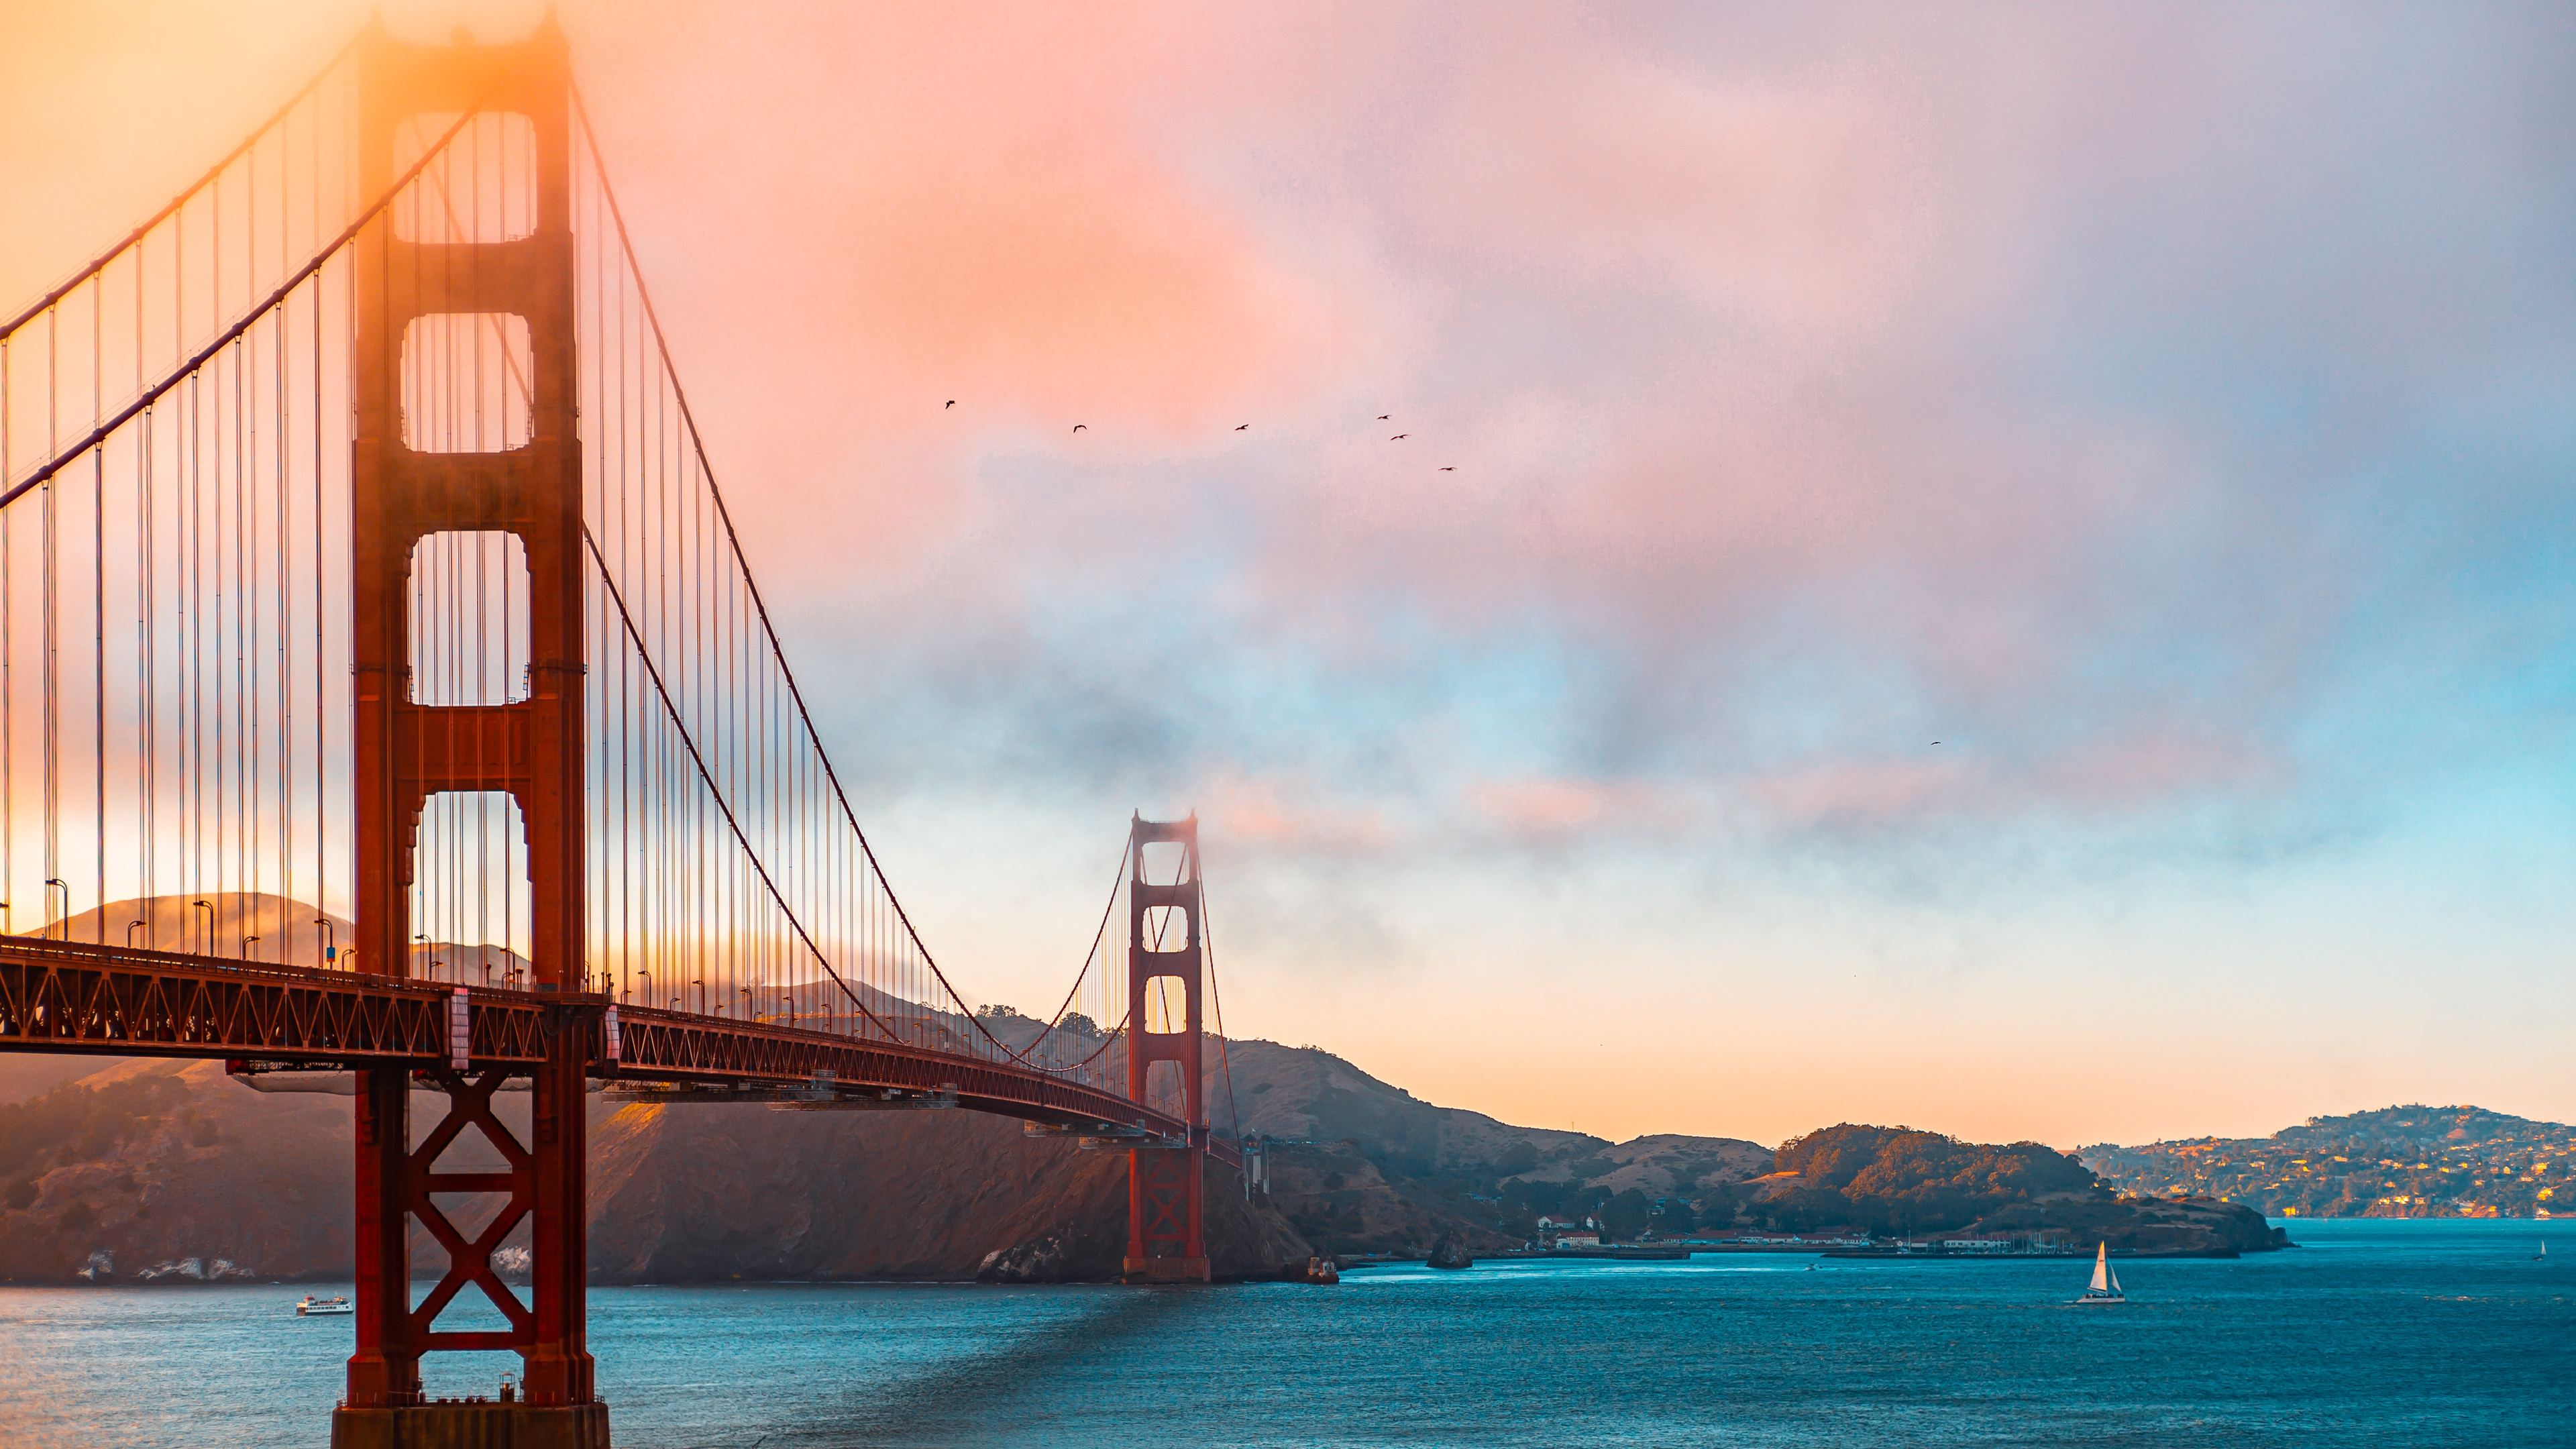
2397,1162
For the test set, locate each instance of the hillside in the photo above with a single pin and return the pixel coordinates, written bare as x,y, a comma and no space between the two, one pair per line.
2397,1162
1896,1181
1365,1167
142,1168
157,1164
151,1169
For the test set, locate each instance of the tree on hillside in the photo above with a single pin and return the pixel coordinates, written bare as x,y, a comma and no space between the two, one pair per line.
1626,1214
1897,1180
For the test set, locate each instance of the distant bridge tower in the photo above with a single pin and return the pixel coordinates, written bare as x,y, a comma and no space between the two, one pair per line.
441,447
1166,1186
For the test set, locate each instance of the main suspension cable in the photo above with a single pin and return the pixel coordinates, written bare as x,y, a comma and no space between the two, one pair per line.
760,608
192,365
136,237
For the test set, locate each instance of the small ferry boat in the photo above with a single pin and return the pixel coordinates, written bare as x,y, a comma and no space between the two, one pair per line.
2106,1284
313,1307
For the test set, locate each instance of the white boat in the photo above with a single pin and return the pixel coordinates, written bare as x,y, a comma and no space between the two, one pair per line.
313,1307
2106,1284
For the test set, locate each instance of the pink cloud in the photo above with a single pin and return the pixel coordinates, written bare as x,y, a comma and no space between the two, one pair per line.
2115,773
1272,812
1561,810
1864,794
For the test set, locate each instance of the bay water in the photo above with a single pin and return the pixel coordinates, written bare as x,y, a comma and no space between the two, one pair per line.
2370,1332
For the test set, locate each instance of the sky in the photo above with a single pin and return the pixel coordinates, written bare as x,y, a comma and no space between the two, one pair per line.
2007,569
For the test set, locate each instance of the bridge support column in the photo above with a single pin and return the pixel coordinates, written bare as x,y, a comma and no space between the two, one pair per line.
448,448
540,1183
1166,1186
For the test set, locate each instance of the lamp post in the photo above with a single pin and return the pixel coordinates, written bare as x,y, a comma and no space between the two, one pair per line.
330,939
209,908
62,918
247,942
130,928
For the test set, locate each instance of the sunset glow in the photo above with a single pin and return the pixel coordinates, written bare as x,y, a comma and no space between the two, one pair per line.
2007,571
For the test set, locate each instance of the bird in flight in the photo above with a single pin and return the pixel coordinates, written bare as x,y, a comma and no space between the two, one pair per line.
1239,427
1077,427
1382,417
1936,742
952,402
1400,437
1451,469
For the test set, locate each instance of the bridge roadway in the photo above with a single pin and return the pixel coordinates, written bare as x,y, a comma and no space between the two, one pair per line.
78,997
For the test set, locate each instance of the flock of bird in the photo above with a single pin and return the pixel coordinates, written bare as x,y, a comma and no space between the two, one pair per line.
1242,428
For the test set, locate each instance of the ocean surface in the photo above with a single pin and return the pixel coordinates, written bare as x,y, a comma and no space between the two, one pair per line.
2415,1333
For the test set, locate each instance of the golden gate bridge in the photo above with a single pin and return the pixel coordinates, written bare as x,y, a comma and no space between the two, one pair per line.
384,690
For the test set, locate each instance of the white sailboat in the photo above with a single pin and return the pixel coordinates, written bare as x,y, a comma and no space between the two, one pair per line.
2106,1284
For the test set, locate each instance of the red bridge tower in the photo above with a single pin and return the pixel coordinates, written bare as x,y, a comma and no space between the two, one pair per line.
1166,1185
410,292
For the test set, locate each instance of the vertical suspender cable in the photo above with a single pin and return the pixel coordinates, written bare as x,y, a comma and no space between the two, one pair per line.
282,660
321,716
246,629
8,669
145,726
53,727
98,599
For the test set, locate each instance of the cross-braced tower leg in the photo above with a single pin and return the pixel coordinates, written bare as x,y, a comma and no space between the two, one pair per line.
1166,1186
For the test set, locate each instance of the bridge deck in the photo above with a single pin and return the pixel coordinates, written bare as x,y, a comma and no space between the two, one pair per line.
79,997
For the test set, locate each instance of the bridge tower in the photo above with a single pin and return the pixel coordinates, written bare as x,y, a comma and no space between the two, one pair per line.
524,482
1166,1185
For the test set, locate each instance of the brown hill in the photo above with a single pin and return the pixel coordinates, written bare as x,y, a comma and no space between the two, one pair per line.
1369,1168
144,1168
150,1169
1896,1181
157,1164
